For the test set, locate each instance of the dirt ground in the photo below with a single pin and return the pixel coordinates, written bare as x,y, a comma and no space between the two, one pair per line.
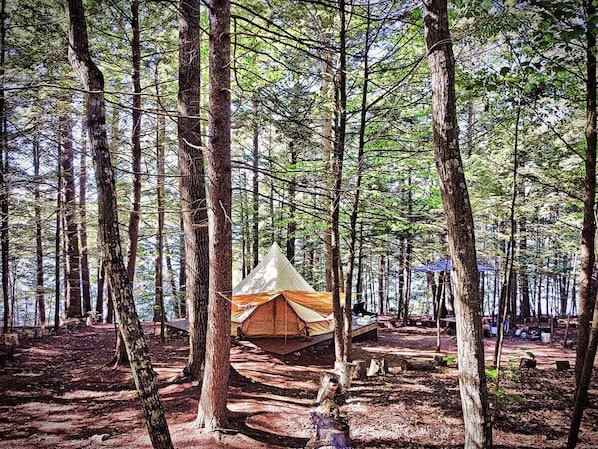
57,392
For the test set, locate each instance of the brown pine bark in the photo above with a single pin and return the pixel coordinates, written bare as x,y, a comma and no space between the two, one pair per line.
85,279
587,291
192,185
361,157
159,312
292,223
336,165
135,214
93,82
255,199
72,259
4,237
211,412
587,340
455,198
40,299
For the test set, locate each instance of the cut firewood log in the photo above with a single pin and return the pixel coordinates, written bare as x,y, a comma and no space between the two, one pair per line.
378,367
328,386
417,365
562,365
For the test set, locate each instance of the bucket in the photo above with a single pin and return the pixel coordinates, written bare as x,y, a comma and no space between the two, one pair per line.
545,337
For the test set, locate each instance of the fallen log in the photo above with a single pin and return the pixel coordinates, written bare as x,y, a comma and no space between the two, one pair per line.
417,365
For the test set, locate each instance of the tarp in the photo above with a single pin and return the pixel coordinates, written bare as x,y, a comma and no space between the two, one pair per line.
446,265
273,273
282,313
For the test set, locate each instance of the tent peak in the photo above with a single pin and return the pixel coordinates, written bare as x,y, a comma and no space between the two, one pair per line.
273,272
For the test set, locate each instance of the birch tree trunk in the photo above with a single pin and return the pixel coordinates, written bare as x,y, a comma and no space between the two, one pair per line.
130,327
453,189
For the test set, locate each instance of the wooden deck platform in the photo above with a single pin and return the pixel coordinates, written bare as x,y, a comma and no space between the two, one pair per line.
285,346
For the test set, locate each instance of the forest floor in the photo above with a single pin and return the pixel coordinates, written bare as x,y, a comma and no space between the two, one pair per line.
58,392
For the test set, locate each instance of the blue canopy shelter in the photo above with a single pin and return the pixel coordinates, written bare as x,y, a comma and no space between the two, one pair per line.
446,265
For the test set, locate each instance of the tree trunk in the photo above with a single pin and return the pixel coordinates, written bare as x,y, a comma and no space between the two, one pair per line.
587,293
57,247
159,312
72,260
291,223
134,216
581,394
256,192
4,238
380,284
455,198
100,286
211,412
93,82
336,165
327,93
40,298
85,281
183,272
361,157
179,310
192,185
523,272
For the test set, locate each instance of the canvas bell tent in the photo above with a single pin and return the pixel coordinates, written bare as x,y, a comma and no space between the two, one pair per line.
275,301
283,313
274,272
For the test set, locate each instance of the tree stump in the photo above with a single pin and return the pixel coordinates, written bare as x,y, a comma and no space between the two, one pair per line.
8,344
359,370
562,365
378,367
331,433
328,386
440,360
331,429
10,338
527,363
